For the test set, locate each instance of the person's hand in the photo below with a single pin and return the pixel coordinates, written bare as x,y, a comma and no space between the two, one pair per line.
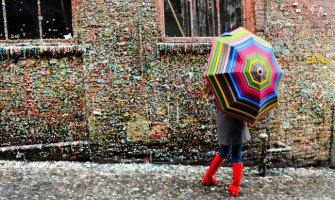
205,95
206,91
251,124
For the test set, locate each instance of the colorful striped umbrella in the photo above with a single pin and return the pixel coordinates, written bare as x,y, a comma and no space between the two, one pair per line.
243,75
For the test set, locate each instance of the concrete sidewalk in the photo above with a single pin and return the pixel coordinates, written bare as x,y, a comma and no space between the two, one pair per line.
73,180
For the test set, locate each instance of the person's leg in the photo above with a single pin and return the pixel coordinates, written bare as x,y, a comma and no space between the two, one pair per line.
237,169
237,153
215,164
225,151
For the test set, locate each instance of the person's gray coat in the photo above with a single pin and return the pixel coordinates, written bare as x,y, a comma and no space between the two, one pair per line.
231,131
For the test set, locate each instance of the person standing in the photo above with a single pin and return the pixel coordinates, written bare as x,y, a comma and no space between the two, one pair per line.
232,133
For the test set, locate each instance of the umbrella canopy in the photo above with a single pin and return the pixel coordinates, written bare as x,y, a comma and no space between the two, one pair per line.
243,75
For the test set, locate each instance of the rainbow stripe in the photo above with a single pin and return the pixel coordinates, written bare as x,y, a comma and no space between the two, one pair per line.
243,75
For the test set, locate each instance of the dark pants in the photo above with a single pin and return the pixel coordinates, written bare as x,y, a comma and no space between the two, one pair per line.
236,151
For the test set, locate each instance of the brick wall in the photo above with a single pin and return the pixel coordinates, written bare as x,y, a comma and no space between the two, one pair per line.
134,99
302,36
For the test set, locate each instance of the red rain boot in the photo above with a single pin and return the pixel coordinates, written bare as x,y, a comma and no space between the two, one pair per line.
213,168
237,177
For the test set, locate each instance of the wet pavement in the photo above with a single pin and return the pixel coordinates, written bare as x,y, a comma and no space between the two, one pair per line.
74,180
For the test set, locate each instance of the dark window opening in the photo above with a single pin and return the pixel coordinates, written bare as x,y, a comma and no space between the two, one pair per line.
36,19
230,15
57,16
179,9
201,18
22,19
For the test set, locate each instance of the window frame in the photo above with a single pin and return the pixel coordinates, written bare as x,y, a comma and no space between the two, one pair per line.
74,19
248,15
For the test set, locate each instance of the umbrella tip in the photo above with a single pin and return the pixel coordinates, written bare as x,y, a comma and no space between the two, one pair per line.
225,34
